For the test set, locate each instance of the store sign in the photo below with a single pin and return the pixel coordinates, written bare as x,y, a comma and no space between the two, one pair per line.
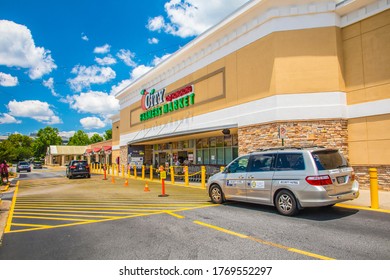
156,103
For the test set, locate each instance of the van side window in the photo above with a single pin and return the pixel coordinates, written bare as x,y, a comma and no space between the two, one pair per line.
288,162
239,165
261,163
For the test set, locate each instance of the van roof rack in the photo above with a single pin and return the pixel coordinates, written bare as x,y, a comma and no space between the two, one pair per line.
287,148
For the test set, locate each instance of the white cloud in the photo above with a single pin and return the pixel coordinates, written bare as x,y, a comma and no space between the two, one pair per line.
49,83
103,49
108,60
35,109
136,73
186,18
84,37
90,75
92,123
6,80
6,118
66,134
156,23
158,60
17,48
127,57
153,41
94,102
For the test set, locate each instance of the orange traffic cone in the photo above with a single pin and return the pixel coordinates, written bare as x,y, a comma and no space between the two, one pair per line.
113,179
146,188
126,183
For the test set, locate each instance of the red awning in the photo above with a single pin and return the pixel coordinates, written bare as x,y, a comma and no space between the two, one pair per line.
107,148
88,151
96,150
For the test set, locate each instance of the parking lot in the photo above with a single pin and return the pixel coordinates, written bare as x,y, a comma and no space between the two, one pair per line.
58,218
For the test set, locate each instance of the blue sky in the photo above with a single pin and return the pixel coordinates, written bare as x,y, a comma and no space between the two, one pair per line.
61,62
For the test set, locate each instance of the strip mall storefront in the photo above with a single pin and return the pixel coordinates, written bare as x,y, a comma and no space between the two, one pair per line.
299,73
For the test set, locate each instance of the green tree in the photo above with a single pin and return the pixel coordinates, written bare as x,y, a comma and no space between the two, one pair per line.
95,138
46,137
16,147
80,138
108,134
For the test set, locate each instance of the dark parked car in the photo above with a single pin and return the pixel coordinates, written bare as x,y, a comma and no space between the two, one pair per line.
37,165
78,168
23,166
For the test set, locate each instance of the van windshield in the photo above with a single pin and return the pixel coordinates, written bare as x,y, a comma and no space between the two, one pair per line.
329,159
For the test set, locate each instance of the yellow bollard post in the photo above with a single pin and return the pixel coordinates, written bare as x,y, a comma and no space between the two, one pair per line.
123,171
143,172
135,172
374,188
151,172
113,169
128,171
171,169
203,176
186,177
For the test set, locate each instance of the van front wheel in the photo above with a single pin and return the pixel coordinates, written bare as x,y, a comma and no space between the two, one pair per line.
286,203
216,194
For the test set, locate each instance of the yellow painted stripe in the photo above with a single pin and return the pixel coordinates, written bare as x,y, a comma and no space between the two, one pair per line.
175,215
48,218
221,229
11,211
85,223
280,246
88,208
37,211
362,208
64,215
30,225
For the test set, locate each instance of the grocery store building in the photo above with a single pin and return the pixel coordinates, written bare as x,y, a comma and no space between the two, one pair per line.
301,72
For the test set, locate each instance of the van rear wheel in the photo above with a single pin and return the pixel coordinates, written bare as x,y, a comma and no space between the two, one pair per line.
286,204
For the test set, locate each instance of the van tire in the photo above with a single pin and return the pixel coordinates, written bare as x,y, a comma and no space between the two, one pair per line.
216,194
286,203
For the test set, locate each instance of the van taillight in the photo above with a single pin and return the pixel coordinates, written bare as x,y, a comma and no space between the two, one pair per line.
72,167
353,176
319,180
87,166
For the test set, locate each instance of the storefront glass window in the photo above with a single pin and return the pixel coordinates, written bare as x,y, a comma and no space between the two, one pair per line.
220,141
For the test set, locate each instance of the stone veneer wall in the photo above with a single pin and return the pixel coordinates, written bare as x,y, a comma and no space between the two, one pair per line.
383,176
123,155
327,133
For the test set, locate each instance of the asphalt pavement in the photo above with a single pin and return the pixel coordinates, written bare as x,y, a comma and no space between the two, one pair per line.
362,203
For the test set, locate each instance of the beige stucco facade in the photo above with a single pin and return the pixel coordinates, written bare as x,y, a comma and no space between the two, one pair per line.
320,69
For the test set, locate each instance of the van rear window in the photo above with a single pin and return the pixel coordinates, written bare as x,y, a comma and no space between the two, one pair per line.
329,159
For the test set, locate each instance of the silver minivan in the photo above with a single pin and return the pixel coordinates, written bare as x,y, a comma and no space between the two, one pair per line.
287,178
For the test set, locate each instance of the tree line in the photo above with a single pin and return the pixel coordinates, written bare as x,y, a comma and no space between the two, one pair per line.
21,147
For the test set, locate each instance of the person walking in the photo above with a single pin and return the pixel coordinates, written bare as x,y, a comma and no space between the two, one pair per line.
4,171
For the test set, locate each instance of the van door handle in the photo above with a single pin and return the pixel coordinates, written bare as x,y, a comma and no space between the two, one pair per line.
251,177
241,177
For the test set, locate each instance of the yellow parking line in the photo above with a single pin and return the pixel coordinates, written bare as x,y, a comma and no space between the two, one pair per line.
11,210
280,246
362,208
30,225
85,223
65,215
221,229
174,214
47,218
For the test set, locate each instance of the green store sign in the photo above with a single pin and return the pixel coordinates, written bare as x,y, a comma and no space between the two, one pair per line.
156,103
